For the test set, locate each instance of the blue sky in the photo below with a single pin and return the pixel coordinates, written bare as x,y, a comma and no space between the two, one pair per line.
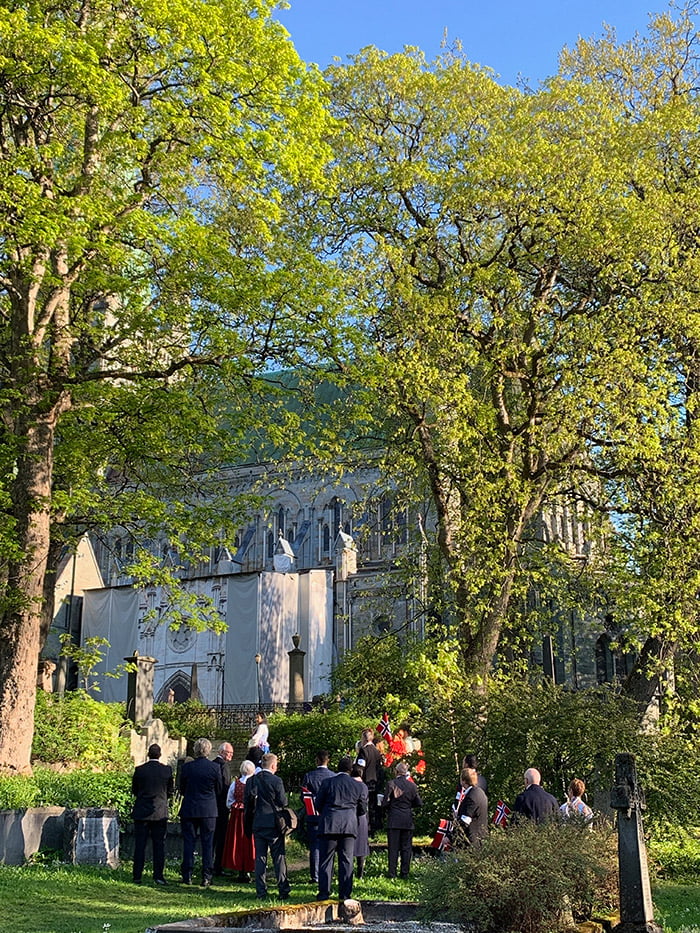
513,38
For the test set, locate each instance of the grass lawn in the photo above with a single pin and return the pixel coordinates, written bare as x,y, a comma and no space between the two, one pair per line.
58,898
677,907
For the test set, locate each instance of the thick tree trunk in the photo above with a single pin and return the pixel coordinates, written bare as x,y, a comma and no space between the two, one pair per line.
645,682
21,620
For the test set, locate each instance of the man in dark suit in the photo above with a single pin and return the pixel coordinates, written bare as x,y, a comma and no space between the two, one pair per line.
400,800
369,757
472,811
310,786
151,784
339,801
200,784
223,760
264,795
534,803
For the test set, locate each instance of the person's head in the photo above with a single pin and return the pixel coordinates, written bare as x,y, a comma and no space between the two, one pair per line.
357,771
255,755
403,730
269,762
345,764
247,768
576,788
154,750
202,748
401,769
260,717
380,743
532,776
226,751
469,761
468,777
367,736
322,758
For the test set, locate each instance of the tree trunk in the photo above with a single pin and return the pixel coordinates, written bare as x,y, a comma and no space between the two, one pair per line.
645,682
21,620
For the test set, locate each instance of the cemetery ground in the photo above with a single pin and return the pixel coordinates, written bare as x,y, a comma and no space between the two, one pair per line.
47,896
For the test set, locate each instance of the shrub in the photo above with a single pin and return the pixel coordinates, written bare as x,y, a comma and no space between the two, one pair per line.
530,878
46,788
76,728
298,737
674,854
189,720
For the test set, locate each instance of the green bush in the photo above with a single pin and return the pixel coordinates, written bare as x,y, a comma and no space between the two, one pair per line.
533,879
674,854
298,737
76,728
189,720
47,788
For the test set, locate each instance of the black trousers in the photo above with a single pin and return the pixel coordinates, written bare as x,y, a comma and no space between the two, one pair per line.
314,848
345,847
400,844
219,840
157,830
276,847
205,826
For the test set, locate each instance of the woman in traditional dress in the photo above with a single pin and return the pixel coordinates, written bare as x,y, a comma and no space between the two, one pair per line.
239,849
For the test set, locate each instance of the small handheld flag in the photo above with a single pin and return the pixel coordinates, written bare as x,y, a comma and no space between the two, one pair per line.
500,817
383,727
441,840
308,800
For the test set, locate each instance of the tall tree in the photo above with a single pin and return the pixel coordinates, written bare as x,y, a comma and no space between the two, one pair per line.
499,264
145,151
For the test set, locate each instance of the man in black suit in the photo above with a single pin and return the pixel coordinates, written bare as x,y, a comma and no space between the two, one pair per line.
264,795
339,802
534,802
400,800
223,760
200,784
472,811
151,784
369,757
310,786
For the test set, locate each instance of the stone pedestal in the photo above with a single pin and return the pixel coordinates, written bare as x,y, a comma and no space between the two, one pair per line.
296,672
139,690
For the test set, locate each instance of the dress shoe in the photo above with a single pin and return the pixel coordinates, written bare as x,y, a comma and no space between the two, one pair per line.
206,883
137,881
186,879
160,881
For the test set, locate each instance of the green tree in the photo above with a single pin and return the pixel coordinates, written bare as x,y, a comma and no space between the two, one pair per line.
144,277
503,267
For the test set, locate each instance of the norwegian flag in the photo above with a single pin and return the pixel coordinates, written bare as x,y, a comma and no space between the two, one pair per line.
308,800
441,840
383,728
500,817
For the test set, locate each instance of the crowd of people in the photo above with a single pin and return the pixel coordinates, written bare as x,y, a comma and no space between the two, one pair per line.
242,821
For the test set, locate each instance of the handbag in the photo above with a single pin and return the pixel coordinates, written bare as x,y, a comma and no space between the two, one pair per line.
285,821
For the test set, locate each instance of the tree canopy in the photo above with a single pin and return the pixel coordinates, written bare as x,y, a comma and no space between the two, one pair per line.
144,274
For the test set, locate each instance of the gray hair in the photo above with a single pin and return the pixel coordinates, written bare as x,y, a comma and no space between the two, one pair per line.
247,767
202,748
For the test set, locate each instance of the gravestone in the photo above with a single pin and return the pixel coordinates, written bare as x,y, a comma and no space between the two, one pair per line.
91,837
636,908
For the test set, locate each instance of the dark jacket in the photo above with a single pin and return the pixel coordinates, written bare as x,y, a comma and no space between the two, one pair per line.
265,793
535,804
312,780
151,784
400,799
201,782
474,805
340,800
226,777
372,758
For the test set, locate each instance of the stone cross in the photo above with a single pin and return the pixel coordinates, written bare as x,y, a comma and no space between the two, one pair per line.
636,908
